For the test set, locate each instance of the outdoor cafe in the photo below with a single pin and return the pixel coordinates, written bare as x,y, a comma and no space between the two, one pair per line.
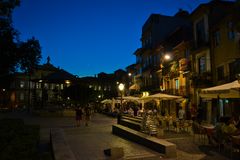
162,108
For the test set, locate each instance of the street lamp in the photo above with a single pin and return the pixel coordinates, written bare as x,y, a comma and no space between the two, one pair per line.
121,88
167,57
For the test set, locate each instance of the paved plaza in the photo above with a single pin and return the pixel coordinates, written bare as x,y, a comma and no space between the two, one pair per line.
89,142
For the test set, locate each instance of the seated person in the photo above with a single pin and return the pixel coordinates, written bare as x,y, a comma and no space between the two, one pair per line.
229,128
236,120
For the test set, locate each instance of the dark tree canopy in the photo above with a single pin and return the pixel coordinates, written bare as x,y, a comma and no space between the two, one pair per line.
29,55
79,93
14,53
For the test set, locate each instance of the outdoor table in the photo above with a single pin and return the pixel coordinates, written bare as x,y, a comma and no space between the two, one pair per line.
208,130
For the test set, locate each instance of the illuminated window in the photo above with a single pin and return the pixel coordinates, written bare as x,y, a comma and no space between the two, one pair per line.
21,96
37,85
52,86
61,86
22,84
177,83
202,64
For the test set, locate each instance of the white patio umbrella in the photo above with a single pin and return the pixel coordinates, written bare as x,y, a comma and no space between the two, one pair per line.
161,96
134,87
228,90
222,88
106,101
131,98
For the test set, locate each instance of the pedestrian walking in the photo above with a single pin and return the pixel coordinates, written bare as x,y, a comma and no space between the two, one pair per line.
87,115
79,115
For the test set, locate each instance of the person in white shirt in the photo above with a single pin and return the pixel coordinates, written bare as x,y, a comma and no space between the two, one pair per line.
181,114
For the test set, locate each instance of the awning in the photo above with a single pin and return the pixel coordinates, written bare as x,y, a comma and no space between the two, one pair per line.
222,88
106,101
131,98
134,87
228,90
163,96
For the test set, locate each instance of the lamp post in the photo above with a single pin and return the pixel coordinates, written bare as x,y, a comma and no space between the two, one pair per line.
121,88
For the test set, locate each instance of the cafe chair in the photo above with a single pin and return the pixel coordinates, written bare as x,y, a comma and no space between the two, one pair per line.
198,130
235,145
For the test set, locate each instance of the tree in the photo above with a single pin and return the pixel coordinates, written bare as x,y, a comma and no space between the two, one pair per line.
13,52
79,93
29,55
8,38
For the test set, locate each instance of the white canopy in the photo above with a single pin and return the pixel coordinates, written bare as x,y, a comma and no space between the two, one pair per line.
222,88
228,90
106,101
131,98
134,87
162,96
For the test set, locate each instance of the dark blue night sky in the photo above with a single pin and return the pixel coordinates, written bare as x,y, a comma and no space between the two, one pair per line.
86,37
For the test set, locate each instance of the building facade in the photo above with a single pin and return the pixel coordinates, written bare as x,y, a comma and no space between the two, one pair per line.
203,50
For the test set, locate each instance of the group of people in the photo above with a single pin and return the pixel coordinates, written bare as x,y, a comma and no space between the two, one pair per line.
224,129
232,126
80,113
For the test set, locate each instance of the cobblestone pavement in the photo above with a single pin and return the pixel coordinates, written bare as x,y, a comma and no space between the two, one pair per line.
88,142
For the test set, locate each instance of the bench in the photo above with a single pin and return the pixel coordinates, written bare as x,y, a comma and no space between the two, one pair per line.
132,119
130,124
60,148
160,145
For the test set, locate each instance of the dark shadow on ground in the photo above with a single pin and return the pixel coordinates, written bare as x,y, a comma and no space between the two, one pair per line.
208,150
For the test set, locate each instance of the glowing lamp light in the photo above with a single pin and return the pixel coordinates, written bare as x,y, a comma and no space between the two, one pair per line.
145,94
167,57
121,87
67,82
